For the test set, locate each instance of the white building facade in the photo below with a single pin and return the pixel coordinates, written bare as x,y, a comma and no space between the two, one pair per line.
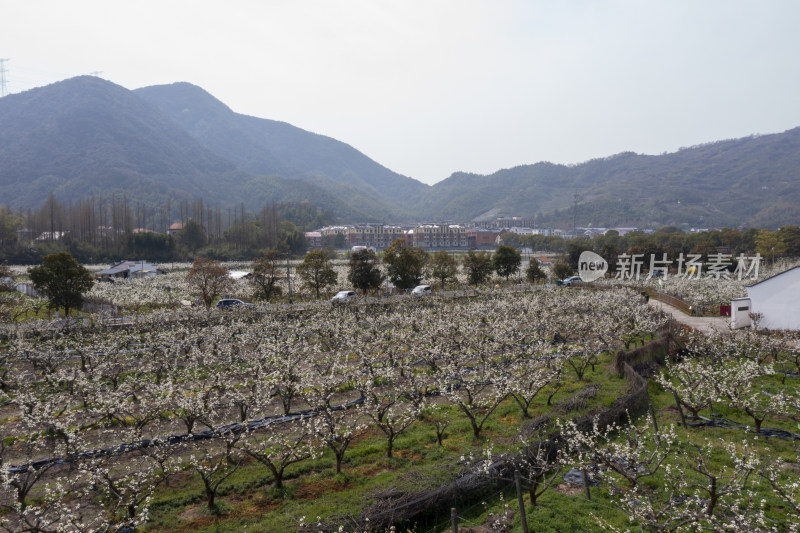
777,300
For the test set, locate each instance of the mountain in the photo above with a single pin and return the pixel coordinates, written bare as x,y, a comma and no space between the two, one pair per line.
87,136
753,181
267,147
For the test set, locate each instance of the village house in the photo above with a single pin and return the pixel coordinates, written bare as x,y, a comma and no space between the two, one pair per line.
482,238
175,228
437,236
771,303
314,239
129,269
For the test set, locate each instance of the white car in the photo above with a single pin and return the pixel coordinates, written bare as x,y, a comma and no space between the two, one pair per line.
343,296
421,290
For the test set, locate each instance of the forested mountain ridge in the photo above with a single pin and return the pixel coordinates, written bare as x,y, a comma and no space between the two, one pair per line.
87,136
753,181
268,147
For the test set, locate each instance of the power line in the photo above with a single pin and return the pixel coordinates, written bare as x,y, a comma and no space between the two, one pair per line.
3,82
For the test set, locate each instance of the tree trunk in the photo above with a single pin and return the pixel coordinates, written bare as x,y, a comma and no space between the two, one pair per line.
339,457
286,400
532,491
475,429
756,421
211,496
522,405
712,496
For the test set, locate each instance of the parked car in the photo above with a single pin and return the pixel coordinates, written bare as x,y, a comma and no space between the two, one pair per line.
572,280
421,290
230,303
655,273
343,296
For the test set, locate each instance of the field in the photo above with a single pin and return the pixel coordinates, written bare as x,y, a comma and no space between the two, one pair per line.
388,413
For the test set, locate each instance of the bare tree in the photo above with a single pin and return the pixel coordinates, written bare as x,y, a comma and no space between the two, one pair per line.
209,278
266,275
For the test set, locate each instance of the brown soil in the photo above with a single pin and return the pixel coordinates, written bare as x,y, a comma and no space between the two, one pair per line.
510,419
570,489
370,470
408,454
315,489
197,517
370,433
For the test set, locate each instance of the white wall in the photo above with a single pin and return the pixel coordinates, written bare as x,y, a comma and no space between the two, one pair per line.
777,299
740,313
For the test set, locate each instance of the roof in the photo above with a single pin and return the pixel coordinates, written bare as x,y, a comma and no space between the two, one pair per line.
126,266
238,274
773,277
176,226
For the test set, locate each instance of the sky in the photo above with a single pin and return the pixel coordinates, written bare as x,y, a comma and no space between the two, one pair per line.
431,87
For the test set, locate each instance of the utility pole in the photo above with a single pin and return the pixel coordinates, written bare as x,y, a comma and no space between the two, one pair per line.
3,81
521,502
574,214
289,279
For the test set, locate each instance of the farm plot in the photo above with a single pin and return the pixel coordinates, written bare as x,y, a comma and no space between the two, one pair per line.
198,420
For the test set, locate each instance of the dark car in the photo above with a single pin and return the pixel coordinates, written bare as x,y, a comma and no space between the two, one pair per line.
230,303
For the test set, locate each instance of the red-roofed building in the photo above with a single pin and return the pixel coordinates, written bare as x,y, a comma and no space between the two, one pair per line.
175,228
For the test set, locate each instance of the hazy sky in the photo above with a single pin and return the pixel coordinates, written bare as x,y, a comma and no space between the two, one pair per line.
431,87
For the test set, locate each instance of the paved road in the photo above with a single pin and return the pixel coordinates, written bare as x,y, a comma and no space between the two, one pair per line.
701,323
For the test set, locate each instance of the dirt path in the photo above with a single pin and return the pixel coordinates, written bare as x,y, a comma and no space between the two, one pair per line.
700,323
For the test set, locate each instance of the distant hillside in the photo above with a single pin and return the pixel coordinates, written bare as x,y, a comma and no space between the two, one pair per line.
753,181
87,136
267,147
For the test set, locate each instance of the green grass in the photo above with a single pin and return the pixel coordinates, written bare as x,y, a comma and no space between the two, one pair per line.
557,512
312,488
248,500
